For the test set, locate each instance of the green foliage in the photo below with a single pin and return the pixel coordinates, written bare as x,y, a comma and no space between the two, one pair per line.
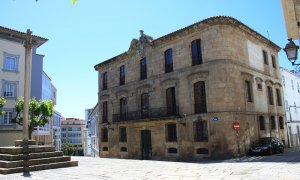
39,113
67,149
2,102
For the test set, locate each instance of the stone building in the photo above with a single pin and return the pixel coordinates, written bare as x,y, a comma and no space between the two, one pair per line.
176,97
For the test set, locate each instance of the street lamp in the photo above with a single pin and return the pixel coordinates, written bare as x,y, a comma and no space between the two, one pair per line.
291,50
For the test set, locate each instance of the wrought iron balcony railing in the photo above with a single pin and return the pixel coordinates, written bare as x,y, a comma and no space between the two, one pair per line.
153,113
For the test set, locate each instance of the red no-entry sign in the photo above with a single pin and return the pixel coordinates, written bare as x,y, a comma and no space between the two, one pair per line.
236,125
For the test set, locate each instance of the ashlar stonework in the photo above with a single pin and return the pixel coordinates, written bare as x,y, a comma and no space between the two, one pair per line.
187,113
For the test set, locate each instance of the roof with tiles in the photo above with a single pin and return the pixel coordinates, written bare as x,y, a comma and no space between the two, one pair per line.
17,36
210,21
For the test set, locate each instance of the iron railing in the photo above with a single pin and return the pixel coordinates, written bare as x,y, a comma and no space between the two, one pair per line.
153,113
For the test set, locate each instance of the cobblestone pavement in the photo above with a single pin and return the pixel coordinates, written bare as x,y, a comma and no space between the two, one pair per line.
278,166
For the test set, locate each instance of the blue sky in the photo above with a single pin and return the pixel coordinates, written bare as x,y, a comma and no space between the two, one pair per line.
83,35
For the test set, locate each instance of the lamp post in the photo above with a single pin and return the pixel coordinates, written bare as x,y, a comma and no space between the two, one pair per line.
291,50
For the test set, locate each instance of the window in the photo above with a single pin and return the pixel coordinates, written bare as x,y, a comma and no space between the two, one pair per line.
122,75
202,151
265,57
123,108
196,52
295,105
144,105
281,123
10,90
270,95
10,62
122,134
201,131
104,81
168,61
283,81
200,97
262,123
278,96
171,133
171,101
104,137
7,116
248,91
273,123
273,61
69,128
143,68
104,112
123,149
259,86
172,150
292,82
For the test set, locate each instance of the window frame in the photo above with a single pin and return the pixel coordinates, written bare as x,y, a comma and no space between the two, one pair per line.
200,105
122,134
104,135
104,80
278,97
169,60
143,68
5,61
122,75
171,132
248,91
265,57
273,61
270,95
201,133
104,112
196,52
273,122
262,125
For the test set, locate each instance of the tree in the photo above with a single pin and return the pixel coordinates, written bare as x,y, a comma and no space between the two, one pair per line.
2,102
67,149
39,113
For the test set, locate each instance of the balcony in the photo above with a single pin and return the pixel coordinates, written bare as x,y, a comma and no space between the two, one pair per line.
154,113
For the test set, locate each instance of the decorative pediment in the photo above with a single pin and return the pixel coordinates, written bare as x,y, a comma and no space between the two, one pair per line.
138,47
247,76
269,82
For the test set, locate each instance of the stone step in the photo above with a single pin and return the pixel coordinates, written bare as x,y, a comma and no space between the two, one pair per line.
12,164
10,157
40,167
31,149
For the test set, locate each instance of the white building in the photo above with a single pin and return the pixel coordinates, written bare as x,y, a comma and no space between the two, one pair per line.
291,87
56,130
92,136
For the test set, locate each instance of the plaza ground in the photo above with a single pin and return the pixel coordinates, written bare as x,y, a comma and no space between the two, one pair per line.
277,166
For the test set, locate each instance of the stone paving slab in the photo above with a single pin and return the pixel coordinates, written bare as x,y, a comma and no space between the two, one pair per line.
279,166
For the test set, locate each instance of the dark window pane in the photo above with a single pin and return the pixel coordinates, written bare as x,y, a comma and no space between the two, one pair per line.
265,57
262,123
104,112
143,68
168,61
104,81
104,134
202,151
122,75
123,109
248,90
105,149
123,149
270,95
273,61
171,101
201,131
281,123
200,97
172,150
123,134
171,133
278,95
273,123
145,105
196,52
